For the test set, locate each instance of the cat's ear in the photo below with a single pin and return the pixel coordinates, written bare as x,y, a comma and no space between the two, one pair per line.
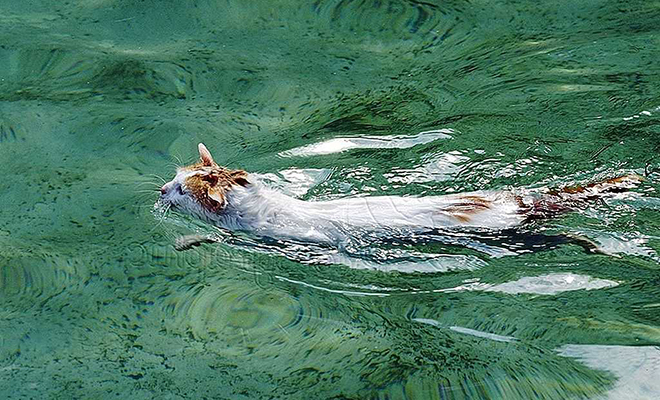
241,181
239,178
205,155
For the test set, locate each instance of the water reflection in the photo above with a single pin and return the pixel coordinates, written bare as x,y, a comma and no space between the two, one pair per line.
442,167
467,331
551,284
338,145
295,182
636,368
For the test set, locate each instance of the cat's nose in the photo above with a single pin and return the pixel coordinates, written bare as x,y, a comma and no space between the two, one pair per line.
166,188
169,186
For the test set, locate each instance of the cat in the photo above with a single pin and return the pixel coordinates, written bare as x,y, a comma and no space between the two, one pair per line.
237,201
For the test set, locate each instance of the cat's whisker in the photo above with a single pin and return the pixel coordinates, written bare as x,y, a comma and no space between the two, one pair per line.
150,191
157,177
142,206
179,163
161,218
147,183
174,165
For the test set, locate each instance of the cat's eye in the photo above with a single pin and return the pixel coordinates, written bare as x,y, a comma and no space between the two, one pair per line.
179,189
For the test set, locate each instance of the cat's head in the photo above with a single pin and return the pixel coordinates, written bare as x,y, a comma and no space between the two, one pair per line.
202,188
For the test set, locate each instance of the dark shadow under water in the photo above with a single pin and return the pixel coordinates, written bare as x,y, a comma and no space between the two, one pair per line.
437,250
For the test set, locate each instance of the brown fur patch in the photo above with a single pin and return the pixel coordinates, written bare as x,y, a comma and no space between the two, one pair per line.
193,167
462,217
478,200
467,207
523,207
211,185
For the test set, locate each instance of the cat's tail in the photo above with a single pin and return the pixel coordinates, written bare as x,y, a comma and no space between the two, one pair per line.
559,201
598,189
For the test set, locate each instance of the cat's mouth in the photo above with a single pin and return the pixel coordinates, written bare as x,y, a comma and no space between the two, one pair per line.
169,194
164,202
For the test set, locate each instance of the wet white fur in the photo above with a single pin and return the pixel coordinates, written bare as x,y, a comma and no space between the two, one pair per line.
266,212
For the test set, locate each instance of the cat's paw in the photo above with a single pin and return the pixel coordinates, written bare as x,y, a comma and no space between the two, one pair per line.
189,241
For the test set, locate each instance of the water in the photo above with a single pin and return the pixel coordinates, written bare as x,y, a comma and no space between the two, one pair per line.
326,99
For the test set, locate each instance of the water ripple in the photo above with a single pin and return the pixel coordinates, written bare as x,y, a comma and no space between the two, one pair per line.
36,274
414,17
231,311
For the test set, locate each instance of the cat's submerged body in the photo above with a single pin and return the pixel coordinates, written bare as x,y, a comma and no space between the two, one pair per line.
234,200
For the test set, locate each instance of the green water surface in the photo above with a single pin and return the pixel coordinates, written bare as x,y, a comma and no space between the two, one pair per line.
101,99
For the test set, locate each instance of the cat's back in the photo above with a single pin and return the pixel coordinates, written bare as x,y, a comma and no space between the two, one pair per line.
494,209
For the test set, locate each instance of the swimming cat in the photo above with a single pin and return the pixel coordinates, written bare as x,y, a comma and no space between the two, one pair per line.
235,200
